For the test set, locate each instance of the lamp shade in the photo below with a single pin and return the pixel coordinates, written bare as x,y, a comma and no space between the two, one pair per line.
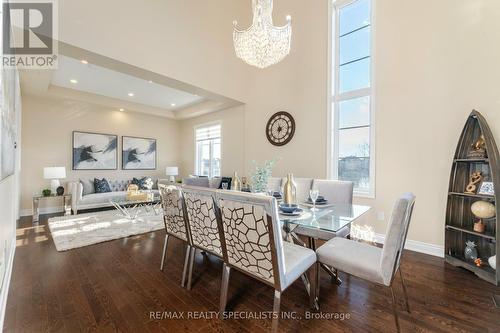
171,171
54,172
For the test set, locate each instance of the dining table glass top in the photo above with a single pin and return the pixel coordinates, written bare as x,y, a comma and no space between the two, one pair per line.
332,218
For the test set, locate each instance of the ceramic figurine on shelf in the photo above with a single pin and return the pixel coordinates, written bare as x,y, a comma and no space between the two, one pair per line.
475,179
478,148
470,251
478,262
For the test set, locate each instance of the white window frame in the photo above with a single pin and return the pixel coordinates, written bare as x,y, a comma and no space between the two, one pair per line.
334,98
196,152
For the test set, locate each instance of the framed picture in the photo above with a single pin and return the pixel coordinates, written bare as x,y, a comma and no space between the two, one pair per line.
94,151
138,153
487,188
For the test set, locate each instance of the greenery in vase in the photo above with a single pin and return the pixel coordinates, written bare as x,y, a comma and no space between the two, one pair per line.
46,192
260,175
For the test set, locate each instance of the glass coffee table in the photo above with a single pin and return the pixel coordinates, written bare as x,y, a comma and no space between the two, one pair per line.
131,208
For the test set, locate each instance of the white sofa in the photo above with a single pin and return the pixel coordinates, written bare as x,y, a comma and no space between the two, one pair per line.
83,201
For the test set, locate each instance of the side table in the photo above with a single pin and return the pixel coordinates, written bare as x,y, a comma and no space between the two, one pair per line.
37,197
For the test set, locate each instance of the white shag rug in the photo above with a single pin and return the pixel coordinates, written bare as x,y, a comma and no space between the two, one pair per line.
73,231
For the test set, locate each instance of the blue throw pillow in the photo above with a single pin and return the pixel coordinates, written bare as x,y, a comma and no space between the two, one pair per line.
101,185
145,183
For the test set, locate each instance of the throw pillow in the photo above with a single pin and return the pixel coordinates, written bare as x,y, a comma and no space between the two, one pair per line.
145,183
101,185
88,186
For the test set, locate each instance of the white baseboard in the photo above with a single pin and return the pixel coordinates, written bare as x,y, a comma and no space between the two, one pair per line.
417,246
6,283
44,210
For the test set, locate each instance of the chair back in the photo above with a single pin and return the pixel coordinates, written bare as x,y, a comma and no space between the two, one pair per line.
274,184
252,241
395,237
199,181
335,191
202,216
173,212
304,185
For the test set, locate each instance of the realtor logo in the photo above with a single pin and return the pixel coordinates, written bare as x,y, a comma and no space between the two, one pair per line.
29,38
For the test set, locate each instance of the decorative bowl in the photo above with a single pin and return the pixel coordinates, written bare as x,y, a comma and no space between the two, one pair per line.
483,209
288,208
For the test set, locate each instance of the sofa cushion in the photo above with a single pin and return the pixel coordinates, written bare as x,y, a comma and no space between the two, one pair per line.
88,186
145,183
119,185
101,185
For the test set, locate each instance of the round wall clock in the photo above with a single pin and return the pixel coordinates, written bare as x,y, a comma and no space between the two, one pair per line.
280,128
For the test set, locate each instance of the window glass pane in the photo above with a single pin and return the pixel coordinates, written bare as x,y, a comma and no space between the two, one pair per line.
354,16
204,158
355,75
355,45
354,112
354,157
216,158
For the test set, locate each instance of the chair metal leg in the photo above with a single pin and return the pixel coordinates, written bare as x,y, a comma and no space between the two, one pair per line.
191,264
164,252
318,279
404,290
226,270
186,264
276,310
394,309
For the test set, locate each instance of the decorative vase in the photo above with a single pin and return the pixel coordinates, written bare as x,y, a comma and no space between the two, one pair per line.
470,251
289,190
236,183
493,262
60,190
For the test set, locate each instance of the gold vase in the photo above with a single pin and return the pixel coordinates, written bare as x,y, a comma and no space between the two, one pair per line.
236,183
289,190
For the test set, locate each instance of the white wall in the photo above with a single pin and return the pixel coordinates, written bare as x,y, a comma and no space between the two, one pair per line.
47,138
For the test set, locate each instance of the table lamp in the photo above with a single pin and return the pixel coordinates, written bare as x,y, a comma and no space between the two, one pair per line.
54,174
172,172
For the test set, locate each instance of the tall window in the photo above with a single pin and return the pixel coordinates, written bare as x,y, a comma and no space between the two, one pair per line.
352,127
208,150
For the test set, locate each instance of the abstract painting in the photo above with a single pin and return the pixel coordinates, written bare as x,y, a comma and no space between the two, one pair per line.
93,151
138,153
10,94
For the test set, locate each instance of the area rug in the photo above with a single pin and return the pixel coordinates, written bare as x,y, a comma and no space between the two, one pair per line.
70,232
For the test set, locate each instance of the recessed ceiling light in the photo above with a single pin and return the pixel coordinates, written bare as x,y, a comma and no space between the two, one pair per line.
150,81
122,109
85,62
173,104
73,81
131,94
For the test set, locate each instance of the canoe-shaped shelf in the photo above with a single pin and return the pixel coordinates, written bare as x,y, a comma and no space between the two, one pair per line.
476,152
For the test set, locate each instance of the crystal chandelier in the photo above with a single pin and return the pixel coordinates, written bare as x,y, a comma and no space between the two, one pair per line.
263,45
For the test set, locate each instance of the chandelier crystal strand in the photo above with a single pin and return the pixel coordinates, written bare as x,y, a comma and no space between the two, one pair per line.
263,45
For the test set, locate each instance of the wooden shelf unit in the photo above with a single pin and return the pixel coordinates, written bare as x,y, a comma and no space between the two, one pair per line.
459,225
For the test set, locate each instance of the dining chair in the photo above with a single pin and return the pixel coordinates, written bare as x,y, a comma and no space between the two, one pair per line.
274,184
174,219
203,226
252,244
371,263
197,181
335,191
304,185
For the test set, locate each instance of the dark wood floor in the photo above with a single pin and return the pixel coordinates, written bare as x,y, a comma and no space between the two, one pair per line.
114,286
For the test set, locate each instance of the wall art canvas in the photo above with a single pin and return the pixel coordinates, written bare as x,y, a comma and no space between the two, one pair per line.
94,151
9,86
138,153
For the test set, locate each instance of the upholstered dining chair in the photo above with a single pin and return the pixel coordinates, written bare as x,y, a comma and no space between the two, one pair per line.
371,263
203,226
335,191
252,244
304,185
174,218
274,184
197,181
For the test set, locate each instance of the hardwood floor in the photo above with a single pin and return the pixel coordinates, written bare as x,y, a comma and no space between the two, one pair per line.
115,286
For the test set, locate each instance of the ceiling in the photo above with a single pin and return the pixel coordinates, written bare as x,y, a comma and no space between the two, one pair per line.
92,78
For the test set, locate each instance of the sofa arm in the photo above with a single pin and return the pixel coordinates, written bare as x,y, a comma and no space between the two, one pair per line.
76,190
